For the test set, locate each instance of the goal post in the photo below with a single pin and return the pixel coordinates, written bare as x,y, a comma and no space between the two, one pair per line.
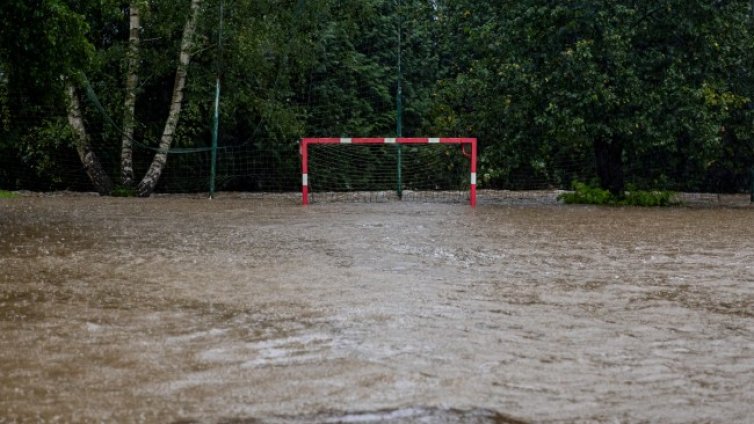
464,143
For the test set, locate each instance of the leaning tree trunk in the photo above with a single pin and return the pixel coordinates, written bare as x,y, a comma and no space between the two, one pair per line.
148,183
132,79
101,181
609,160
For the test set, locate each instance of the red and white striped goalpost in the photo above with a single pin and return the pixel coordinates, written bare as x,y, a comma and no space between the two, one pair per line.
305,142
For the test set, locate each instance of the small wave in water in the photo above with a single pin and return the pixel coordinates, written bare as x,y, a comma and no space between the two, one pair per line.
396,416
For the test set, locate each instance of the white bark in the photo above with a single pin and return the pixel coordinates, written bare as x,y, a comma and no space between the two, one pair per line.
132,80
148,183
99,178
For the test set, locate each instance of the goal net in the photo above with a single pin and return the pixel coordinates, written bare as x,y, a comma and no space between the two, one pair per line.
385,169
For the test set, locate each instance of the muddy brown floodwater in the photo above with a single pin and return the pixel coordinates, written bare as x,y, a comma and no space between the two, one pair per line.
234,310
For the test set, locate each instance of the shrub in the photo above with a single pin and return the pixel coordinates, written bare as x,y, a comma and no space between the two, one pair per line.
648,198
585,194
121,191
7,194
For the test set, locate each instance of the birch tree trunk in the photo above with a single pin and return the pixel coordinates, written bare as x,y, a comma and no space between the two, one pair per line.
132,80
148,183
101,181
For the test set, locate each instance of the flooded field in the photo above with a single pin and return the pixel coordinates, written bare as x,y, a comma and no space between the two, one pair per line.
238,310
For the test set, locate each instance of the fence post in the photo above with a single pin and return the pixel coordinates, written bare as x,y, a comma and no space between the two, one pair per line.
215,127
304,146
216,112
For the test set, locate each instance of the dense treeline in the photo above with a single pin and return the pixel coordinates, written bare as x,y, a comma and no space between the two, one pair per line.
656,94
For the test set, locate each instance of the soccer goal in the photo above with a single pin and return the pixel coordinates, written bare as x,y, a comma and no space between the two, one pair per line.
383,169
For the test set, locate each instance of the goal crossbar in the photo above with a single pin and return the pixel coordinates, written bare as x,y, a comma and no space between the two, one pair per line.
306,142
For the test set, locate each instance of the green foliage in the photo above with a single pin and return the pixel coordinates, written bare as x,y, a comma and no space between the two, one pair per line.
7,194
585,194
648,198
121,191
46,148
653,93
543,81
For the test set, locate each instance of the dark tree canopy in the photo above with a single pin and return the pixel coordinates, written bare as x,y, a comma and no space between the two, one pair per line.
653,94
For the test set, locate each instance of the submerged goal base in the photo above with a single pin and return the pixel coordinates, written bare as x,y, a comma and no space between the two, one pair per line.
463,142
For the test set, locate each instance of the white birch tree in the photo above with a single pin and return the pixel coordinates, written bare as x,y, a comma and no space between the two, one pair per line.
132,80
152,176
99,178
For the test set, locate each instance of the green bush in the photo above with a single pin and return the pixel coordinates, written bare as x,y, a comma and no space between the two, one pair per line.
585,194
648,198
121,191
7,194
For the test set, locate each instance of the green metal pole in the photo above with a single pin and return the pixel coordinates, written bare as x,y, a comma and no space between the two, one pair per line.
751,198
215,128
216,113
399,108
